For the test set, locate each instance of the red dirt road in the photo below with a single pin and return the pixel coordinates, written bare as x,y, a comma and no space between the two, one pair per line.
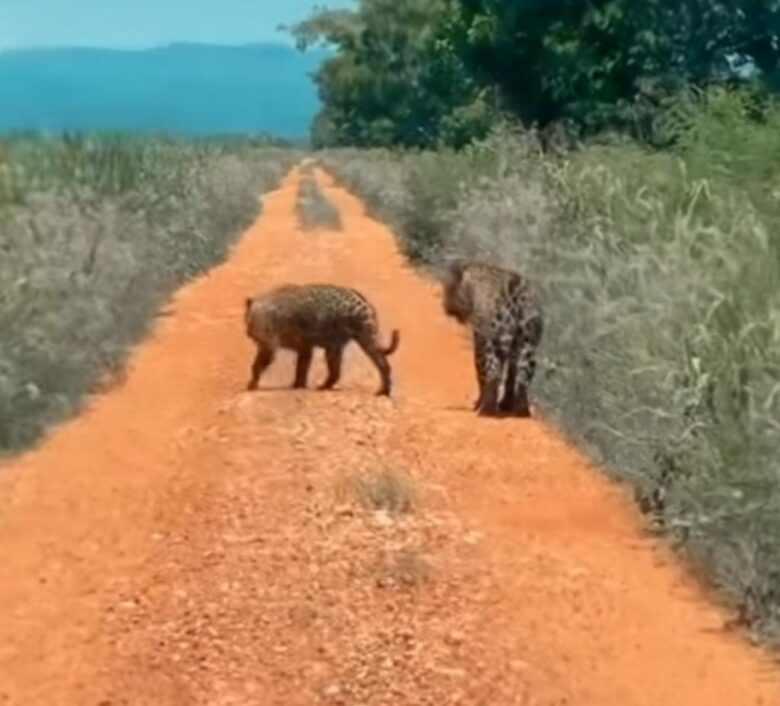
184,542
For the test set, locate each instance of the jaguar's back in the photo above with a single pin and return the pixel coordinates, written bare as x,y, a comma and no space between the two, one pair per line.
320,314
301,317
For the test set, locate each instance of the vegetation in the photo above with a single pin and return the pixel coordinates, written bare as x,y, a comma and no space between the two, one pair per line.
660,277
406,568
423,73
381,490
610,63
314,208
94,234
395,80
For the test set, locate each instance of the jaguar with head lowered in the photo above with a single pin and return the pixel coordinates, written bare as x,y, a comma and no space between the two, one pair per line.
302,317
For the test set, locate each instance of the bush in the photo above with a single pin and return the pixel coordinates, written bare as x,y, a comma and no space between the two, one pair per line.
381,489
660,278
314,208
94,234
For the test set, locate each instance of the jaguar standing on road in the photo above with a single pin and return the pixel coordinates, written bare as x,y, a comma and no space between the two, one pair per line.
506,321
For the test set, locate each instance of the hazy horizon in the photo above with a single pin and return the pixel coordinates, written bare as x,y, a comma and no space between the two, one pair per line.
187,88
269,43
147,24
197,67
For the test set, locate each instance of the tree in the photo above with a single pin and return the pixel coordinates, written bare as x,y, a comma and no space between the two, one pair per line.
395,78
596,61
428,72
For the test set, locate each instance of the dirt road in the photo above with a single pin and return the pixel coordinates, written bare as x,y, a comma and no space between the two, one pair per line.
184,542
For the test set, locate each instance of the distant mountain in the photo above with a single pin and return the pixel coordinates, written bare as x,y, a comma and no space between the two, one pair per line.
183,88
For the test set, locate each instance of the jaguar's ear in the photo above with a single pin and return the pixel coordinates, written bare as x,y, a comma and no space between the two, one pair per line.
515,281
247,304
451,270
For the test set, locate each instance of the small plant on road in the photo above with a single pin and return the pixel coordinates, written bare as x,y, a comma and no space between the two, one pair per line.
406,568
384,490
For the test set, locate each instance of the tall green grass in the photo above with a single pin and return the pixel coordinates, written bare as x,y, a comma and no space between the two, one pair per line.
94,234
660,278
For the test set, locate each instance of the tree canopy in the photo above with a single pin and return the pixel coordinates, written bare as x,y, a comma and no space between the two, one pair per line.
395,78
424,72
592,61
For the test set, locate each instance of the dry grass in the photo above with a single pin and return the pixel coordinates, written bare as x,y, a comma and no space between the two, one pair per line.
385,490
660,279
405,568
94,235
315,210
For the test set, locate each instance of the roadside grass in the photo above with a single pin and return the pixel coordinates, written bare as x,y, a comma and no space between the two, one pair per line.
659,273
405,568
95,233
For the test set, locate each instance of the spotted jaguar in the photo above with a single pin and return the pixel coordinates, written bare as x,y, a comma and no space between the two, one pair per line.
302,317
506,321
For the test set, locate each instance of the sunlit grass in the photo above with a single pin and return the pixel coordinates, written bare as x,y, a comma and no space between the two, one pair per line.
660,278
94,234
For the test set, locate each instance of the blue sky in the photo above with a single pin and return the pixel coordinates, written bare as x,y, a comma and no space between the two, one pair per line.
145,23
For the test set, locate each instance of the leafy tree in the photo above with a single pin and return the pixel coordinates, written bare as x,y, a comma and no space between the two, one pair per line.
600,61
395,78
428,72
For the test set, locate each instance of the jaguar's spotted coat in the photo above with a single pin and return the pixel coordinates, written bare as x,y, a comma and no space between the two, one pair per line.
303,317
507,324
